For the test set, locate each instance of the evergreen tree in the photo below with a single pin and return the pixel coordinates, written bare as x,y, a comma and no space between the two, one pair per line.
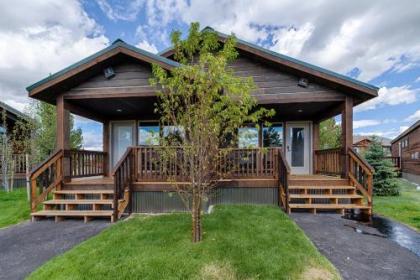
384,179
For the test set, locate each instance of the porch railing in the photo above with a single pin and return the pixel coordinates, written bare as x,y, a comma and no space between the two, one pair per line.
233,163
328,161
20,163
248,163
123,174
396,161
361,175
283,176
84,163
46,177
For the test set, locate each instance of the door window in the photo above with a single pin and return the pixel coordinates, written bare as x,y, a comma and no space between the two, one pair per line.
298,145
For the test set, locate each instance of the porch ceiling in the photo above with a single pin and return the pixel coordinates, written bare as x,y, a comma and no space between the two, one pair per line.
143,109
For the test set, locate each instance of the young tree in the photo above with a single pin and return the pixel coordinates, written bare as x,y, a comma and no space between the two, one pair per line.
384,179
207,103
329,134
44,136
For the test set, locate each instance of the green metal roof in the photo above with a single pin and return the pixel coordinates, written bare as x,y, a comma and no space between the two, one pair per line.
117,43
288,58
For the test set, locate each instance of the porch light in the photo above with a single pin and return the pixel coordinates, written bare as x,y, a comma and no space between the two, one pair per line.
303,82
119,110
300,111
109,72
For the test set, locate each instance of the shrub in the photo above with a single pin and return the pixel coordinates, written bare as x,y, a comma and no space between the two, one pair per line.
385,178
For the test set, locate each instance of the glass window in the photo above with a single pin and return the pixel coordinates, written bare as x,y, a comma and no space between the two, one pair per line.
174,134
298,145
2,130
273,136
247,137
148,133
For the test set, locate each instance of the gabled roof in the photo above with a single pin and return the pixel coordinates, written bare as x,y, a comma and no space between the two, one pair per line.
407,131
295,64
117,47
384,141
13,111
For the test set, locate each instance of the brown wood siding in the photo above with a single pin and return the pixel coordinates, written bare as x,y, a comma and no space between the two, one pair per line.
409,165
277,83
130,77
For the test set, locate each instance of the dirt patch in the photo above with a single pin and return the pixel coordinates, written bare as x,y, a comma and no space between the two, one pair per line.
316,273
216,271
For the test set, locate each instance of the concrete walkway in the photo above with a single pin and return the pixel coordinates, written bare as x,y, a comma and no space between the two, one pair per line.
356,255
26,246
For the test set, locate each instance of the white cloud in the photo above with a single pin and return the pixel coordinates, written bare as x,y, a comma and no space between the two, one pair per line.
417,80
115,10
389,133
390,96
42,37
365,123
145,45
338,35
413,117
403,128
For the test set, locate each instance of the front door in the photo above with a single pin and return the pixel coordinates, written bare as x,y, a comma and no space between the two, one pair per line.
122,136
298,147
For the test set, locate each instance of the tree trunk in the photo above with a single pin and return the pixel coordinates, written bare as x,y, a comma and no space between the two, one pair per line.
196,217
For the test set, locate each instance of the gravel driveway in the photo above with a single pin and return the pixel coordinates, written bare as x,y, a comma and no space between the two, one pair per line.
26,246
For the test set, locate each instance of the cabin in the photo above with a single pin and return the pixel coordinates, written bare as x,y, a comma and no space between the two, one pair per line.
406,147
279,165
20,159
362,143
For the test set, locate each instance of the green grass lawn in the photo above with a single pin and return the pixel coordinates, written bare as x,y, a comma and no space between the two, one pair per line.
14,207
404,208
240,242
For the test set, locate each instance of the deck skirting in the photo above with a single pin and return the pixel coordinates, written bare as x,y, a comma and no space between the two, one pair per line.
163,202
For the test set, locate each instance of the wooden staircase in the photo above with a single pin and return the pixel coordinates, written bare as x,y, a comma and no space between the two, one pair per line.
78,203
323,193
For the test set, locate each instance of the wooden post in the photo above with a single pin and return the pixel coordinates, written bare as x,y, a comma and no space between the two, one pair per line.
346,133
315,144
63,135
106,148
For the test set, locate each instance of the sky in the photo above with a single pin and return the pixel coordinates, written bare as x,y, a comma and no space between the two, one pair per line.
375,41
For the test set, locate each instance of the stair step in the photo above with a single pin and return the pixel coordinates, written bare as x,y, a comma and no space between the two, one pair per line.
325,196
327,206
84,192
79,201
295,187
72,213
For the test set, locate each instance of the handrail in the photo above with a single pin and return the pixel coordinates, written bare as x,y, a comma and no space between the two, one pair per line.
361,176
362,160
51,170
123,174
283,177
396,161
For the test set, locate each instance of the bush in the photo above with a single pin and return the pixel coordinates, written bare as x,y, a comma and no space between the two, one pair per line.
385,178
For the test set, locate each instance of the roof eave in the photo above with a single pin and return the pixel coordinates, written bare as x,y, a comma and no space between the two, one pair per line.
117,47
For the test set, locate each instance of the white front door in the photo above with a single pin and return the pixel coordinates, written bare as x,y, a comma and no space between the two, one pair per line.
122,137
298,147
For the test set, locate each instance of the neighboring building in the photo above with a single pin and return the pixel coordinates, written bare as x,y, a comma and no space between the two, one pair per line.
362,143
20,159
112,87
407,147
12,115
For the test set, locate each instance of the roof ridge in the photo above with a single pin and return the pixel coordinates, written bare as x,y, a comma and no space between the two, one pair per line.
288,58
